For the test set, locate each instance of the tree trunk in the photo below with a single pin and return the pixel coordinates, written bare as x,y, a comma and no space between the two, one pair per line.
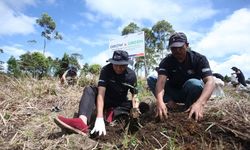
44,46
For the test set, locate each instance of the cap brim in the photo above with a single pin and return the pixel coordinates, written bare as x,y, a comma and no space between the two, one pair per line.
177,44
120,62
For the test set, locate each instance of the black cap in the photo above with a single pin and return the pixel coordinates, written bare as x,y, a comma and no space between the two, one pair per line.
177,39
234,68
120,57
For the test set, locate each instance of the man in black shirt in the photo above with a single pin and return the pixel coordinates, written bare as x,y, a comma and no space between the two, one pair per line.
239,76
179,79
69,76
115,80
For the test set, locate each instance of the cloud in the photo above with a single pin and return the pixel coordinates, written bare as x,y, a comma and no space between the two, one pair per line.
51,1
239,61
91,17
107,24
74,49
14,22
14,50
154,10
18,5
227,44
101,58
230,36
94,42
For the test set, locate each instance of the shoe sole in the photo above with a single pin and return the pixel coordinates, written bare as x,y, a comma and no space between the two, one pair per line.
63,125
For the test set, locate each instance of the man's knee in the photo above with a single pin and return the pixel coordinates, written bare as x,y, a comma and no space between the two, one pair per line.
90,90
193,84
151,82
151,79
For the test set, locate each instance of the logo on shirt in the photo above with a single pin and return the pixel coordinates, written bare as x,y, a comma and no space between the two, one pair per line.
102,81
162,69
205,70
190,71
112,81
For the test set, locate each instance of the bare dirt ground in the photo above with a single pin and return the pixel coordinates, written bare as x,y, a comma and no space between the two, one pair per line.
215,131
26,122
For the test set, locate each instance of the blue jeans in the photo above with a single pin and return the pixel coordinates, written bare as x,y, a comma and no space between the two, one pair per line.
188,94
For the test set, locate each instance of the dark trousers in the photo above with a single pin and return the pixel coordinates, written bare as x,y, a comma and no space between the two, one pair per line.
188,94
87,104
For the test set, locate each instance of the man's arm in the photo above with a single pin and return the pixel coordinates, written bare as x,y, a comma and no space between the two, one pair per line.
159,92
63,78
198,106
135,112
100,101
135,101
208,89
99,122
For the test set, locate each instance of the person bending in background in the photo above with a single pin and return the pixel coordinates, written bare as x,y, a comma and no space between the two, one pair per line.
115,80
179,79
69,76
239,76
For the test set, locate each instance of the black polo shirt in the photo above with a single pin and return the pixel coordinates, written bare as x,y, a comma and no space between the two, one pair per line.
241,77
117,86
195,66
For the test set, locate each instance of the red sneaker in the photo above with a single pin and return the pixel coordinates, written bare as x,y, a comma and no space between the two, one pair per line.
73,124
109,115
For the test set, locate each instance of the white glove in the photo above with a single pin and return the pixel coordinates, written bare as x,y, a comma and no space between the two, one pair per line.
99,126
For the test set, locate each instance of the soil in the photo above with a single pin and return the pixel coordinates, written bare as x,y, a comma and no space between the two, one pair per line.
177,132
26,122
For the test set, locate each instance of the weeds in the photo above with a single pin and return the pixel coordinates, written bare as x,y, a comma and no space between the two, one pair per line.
26,120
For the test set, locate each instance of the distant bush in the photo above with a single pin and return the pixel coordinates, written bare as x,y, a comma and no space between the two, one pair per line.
95,69
142,88
88,79
227,79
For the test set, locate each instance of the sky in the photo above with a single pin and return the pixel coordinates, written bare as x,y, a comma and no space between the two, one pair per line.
218,29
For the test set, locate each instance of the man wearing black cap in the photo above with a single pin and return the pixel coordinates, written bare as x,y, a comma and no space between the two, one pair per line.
239,76
179,79
114,82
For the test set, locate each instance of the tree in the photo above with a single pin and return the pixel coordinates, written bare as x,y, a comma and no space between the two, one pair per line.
35,64
162,30
56,67
26,63
49,29
150,55
139,64
32,42
227,78
131,28
1,62
51,66
40,64
77,55
13,67
66,62
85,69
95,69
148,60
156,40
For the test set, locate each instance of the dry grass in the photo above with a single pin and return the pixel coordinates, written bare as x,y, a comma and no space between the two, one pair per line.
232,113
26,119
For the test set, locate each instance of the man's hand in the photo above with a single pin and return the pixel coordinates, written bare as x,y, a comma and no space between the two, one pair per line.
135,113
161,111
99,127
197,110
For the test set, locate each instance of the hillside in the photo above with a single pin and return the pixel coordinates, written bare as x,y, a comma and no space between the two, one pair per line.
26,121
